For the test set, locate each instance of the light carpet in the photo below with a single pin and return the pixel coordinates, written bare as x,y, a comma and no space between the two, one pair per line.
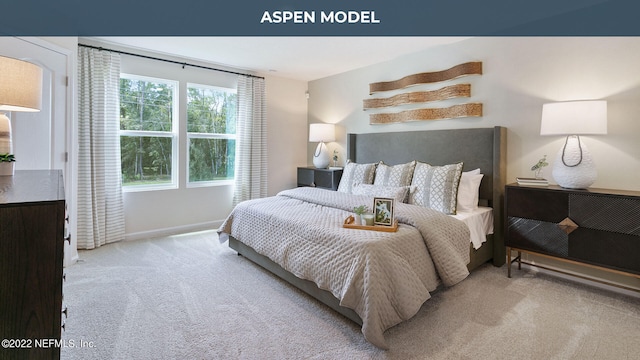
189,297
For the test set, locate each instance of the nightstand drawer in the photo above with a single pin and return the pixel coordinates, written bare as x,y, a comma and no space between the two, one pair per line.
537,204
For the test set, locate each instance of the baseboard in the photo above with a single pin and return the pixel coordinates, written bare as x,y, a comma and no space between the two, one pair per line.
209,225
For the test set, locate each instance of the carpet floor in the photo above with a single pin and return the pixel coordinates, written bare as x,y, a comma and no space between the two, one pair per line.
189,297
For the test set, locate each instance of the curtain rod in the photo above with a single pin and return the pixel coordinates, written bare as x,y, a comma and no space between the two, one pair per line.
169,61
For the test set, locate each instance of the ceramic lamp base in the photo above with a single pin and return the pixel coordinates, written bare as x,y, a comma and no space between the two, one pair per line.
321,156
573,167
6,145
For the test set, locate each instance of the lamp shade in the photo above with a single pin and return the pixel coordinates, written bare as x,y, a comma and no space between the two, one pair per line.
322,132
574,118
20,85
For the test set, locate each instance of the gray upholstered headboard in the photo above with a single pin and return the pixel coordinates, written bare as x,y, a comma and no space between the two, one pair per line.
483,148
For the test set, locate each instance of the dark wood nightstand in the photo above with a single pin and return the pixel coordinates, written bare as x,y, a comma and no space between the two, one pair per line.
322,178
599,228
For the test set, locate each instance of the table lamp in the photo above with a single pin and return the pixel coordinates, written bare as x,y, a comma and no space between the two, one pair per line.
573,167
321,133
20,90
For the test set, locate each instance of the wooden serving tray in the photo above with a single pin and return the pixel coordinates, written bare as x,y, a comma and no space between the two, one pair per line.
349,223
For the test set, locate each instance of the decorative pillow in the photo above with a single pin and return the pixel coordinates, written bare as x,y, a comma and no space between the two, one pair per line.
468,190
436,187
399,194
355,174
396,175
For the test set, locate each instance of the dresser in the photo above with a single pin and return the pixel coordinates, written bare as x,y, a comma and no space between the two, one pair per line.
599,228
32,227
322,178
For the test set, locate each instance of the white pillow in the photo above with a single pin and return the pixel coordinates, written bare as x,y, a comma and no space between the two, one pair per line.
468,190
355,174
399,194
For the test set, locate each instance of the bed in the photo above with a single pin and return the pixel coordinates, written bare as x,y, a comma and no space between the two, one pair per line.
377,279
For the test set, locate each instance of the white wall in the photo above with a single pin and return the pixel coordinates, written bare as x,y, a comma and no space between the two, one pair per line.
287,131
520,74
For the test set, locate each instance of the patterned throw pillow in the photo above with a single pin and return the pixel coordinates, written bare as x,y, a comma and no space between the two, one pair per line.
399,194
436,187
355,174
396,175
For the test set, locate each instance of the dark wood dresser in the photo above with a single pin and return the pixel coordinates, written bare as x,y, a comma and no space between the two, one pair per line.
594,227
32,227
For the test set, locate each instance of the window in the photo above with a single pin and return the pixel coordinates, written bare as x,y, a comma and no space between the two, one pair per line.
148,129
211,134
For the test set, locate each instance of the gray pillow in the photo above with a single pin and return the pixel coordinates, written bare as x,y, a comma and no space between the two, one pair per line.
355,174
396,175
436,187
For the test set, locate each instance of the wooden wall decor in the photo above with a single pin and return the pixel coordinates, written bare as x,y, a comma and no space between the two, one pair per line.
455,111
470,68
448,92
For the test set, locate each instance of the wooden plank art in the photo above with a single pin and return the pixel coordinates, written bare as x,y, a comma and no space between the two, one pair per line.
470,68
455,111
448,92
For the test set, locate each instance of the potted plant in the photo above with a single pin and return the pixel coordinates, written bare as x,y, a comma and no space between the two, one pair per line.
538,168
7,162
363,214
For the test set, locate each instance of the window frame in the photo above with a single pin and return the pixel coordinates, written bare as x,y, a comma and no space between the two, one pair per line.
197,135
173,134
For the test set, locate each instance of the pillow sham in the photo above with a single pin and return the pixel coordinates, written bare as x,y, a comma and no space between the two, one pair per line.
396,175
399,194
355,174
468,190
436,187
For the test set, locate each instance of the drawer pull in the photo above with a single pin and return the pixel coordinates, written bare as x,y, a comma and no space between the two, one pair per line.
65,312
68,238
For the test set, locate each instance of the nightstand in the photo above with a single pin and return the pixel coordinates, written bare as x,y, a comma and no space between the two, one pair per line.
599,228
322,178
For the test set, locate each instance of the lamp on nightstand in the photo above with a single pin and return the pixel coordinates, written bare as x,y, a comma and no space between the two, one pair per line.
321,133
20,90
574,167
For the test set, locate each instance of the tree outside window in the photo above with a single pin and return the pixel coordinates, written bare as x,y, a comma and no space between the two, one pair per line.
211,133
148,131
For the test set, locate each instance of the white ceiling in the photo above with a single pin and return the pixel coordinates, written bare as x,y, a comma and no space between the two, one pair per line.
300,58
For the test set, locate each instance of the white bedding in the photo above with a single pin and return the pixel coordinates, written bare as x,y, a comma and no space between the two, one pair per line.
384,277
480,223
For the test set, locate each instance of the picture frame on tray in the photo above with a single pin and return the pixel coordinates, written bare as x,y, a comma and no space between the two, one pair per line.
383,211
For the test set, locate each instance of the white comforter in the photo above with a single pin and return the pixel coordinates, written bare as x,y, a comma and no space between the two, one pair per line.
384,277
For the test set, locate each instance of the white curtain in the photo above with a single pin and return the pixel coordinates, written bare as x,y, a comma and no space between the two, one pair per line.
251,140
100,203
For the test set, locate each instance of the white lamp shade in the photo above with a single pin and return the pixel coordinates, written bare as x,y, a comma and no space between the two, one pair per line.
322,132
574,118
20,85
